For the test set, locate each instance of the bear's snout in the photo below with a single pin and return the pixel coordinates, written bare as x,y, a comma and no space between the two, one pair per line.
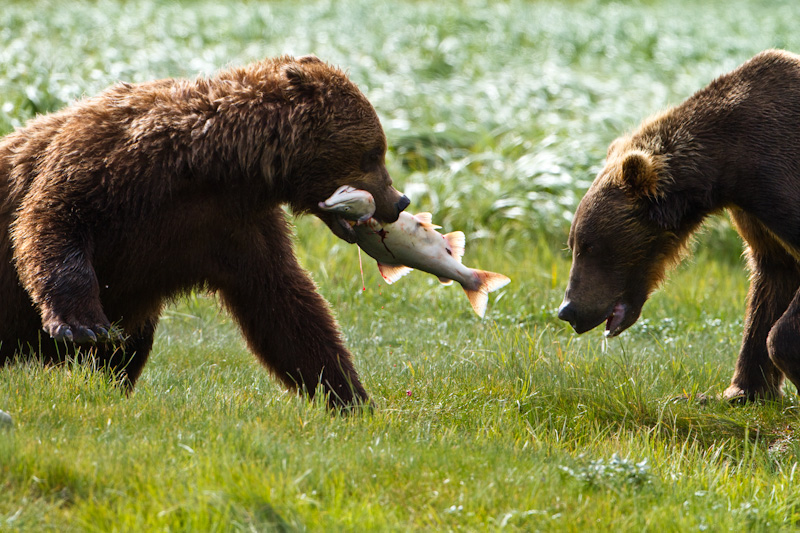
568,313
580,317
402,204
389,203
580,320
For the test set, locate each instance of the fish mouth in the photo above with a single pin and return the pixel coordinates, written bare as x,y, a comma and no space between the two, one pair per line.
615,322
340,226
346,227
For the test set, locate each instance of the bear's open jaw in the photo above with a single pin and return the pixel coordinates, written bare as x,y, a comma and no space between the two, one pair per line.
615,319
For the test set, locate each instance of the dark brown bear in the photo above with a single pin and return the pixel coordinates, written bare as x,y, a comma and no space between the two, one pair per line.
120,202
734,145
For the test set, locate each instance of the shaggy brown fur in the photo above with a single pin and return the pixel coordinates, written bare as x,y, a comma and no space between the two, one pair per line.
117,203
734,145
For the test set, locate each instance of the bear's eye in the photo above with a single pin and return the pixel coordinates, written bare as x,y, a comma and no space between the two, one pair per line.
587,249
371,159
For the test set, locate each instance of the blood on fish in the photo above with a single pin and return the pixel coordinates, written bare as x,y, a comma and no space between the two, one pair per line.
382,233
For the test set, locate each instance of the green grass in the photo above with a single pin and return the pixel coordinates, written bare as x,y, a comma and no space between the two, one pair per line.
498,115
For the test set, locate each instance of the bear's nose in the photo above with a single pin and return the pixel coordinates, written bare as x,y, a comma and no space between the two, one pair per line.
567,312
402,203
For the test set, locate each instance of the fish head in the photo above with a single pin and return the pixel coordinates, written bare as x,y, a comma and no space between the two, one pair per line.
365,193
350,203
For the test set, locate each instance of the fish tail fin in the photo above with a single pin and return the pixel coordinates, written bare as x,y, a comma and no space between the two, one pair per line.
487,282
457,243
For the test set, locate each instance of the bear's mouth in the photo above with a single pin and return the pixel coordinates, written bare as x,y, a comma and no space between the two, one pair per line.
614,322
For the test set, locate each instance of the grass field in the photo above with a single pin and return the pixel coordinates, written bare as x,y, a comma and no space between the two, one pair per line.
498,115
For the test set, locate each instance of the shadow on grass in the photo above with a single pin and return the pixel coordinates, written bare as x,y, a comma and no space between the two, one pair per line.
583,415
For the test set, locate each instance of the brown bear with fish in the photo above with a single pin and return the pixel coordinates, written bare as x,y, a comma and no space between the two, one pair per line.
118,203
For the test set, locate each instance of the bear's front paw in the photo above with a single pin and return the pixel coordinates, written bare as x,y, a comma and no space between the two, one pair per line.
79,333
734,394
739,395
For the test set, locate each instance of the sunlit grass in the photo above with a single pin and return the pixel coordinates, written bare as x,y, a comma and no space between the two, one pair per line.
511,421
498,115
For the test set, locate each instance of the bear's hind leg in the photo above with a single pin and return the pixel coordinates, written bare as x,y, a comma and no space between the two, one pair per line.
774,280
126,361
783,342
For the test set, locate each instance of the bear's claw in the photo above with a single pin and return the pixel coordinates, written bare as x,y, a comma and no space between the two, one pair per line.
79,334
62,332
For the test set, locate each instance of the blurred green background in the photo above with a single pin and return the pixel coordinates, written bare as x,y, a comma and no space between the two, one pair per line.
498,113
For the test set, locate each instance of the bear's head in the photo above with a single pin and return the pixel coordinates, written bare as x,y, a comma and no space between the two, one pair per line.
339,141
627,230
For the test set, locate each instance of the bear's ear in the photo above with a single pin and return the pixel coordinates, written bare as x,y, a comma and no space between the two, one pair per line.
311,58
639,174
296,74
301,81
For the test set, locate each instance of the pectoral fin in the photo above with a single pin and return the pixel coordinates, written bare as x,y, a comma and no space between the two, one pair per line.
392,273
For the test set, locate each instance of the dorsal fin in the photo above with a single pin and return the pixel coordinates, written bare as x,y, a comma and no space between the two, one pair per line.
426,219
457,242
392,273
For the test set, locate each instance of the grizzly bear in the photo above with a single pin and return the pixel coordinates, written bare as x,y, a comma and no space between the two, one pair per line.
118,203
734,146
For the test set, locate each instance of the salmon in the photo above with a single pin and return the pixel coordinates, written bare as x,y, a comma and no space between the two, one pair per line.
412,242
